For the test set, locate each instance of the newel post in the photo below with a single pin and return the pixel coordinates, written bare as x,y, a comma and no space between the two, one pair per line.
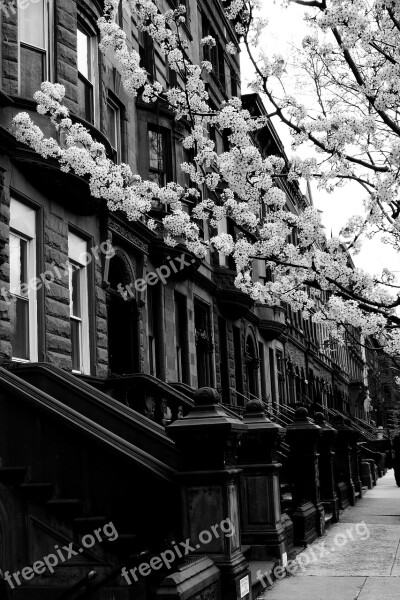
308,513
343,464
261,523
326,448
208,438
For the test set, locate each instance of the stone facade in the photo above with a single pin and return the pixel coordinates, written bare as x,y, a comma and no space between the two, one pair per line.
298,366
143,347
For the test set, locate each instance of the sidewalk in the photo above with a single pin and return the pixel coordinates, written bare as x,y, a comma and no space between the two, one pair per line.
346,563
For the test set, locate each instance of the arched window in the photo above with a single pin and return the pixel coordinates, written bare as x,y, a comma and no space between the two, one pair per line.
123,320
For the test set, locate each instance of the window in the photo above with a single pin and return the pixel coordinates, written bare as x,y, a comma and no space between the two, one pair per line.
234,82
181,338
114,128
153,300
204,345
224,360
33,36
280,368
23,309
146,52
272,376
159,156
237,351
264,272
86,47
214,54
171,76
78,303
119,16
263,378
252,365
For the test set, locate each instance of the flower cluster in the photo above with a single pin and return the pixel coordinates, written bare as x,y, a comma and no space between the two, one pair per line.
354,126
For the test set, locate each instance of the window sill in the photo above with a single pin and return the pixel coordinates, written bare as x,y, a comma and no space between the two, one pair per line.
5,100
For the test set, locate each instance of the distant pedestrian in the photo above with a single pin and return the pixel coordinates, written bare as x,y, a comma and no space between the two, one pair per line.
396,461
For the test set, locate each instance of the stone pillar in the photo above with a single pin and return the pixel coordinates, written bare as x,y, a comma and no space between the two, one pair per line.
208,438
308,513
355,458
261,524
343,467
372,467
326,465
366,474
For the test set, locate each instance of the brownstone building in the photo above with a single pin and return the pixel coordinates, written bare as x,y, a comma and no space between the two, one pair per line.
95,362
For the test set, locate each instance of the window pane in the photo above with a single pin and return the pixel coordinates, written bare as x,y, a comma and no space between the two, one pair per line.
156,154
83,42
32,70
19,318
112,126
75,290
15,260
76,344
18,264
31,23
85,99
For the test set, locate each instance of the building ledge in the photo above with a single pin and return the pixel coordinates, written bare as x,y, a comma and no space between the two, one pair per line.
272,322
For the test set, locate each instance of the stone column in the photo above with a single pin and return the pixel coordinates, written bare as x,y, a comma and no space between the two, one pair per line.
261,524
208,438
343,467
308,513
326,465
355,458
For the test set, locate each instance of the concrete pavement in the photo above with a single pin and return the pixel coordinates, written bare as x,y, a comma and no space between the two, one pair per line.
357,559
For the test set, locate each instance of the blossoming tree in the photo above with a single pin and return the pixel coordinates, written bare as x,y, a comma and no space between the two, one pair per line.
350,62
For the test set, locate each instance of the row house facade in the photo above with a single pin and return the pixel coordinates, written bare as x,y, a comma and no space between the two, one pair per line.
185,331
94,362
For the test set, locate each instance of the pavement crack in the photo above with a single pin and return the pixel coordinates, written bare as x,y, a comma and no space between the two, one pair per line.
395,557
361,589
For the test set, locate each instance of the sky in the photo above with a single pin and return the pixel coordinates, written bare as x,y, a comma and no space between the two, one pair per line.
286,29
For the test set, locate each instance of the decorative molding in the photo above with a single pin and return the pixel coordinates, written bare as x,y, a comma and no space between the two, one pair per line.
128,236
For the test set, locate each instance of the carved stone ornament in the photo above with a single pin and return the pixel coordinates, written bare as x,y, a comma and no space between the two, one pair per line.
127,235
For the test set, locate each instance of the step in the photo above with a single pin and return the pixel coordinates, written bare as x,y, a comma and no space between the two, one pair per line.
84,524
284,488
125,544
68,508
328,519
286,500
37,490
266,569
13,475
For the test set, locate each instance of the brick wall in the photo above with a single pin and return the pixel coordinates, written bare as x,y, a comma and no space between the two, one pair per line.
58,330
9,38
65,50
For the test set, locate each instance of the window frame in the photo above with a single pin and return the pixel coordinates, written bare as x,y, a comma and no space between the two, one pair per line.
46,51
204,345
182,337
146,53
28,233
84,329
118,127
92,70
166,153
